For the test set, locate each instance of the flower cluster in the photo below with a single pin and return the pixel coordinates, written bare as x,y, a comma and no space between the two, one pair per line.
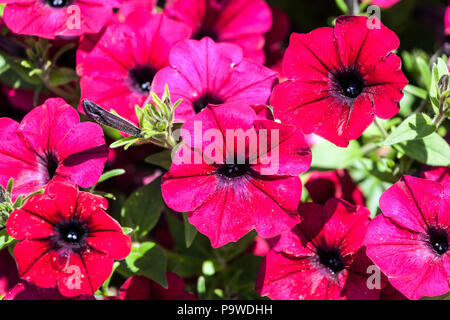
256,162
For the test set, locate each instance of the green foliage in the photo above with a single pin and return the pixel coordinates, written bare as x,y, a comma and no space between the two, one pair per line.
414,127
143,208
147,259
326,155
432,150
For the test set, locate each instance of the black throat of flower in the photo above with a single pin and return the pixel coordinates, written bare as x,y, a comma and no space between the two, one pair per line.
58,3
141,78
438,240
204,32
206,98
71,234
331,259
51,165
348,83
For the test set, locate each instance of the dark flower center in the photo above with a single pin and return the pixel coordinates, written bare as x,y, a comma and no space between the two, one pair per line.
58,3
438,240
52,165
71,234
161,3
203,32
233,170
142,77
204,100
350,83
331,259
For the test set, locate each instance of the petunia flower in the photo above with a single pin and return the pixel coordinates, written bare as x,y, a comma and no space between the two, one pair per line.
438,174
204,72
322,258
66,240
8,272
28,291
409,241
142,288
49,144
242,22
274,45
52,18
447,20
339,79
230,186
117,72
322,186
390,293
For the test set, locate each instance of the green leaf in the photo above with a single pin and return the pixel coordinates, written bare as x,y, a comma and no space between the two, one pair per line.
424,71
143,208
150,260
127,231
432,150
326,155
124,141
416,91
342,6
5,239
414,127
110,174
62,76
161,159
383,169
189,231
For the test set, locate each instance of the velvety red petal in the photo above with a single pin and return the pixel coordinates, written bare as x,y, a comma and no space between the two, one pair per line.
38,262
360,45
106,235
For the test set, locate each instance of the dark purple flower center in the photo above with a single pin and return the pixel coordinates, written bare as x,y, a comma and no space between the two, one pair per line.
350,83
233,170
204,32
438,240
52,165
71,234
58,3
142,77
331,259
161,3
205,99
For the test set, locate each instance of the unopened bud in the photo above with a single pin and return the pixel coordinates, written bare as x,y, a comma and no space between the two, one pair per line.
443,83
101,116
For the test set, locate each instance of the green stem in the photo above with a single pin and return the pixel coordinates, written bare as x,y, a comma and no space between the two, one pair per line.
380,128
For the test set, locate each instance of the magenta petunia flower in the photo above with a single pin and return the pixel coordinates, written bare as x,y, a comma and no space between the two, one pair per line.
322,186
142,288
339,79
438,174
52,18
118,71
409,241
321,258
447,20
231,185
382,3
66,240
204,72
49,144
242,22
